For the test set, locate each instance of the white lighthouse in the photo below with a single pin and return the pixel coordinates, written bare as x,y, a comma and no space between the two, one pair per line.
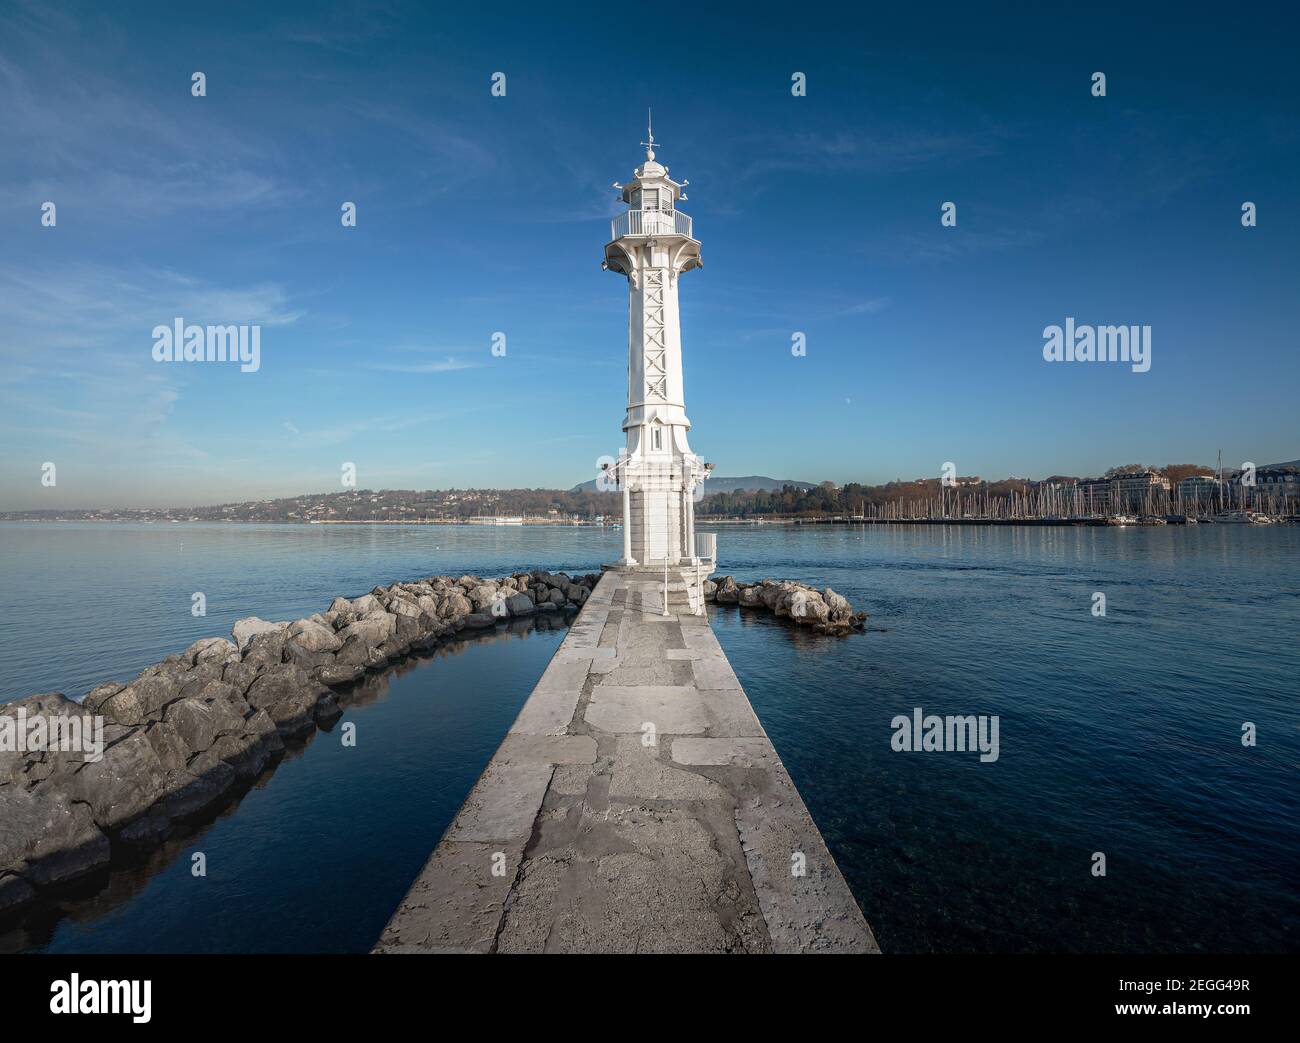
652,245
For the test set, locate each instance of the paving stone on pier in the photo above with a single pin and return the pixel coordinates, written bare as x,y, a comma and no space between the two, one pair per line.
744,752
588,832
549,710
640,773
455,903
627,708
504,802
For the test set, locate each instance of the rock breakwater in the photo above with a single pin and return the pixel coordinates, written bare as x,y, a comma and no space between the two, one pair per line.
187,735
821,610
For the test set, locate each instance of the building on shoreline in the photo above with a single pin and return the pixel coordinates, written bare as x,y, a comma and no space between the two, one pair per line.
1273,483
1126,491
1200,493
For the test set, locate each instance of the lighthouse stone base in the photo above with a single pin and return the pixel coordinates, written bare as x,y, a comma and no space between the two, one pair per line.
684,585
636,805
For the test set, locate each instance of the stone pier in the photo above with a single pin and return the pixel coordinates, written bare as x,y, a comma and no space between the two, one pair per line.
636,805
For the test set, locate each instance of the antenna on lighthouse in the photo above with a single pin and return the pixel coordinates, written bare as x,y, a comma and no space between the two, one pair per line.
649,146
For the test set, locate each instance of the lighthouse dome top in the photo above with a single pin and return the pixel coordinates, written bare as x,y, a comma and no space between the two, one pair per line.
651,175
650,168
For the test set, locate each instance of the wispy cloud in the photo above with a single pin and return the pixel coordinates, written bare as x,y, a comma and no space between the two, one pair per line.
95,147
448,365
81,384
94,305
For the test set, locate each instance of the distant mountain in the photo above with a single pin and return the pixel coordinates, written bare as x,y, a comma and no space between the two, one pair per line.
751,483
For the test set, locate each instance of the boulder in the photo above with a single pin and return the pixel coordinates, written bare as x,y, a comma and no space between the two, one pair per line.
195,678
805,607
342,619
46,837
355,657
455,606
402,607
266,648
314,636
771,594
200,721
355,652
336,673
44,703
365,604
97,696
141,699
186,796
840,609
240,675
248,628
406,631
28,767
288,696
124,784
520,605
374,628
311,663
250,752
210,650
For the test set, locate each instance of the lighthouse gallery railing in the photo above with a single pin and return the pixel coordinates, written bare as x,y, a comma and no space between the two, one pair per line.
650,222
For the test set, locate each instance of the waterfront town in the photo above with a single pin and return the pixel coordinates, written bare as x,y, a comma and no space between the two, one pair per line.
1130,494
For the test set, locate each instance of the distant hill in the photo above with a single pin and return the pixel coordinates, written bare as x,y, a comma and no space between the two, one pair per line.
751,483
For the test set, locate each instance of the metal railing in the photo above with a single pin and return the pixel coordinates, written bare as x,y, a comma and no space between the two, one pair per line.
706,549
650,222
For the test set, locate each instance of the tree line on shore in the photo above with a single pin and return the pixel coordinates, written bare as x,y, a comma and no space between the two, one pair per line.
854,498
826,499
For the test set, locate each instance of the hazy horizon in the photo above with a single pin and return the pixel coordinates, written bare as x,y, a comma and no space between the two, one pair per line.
477,214
568,487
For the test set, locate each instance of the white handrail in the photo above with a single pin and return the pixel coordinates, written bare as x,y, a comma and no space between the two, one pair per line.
650,222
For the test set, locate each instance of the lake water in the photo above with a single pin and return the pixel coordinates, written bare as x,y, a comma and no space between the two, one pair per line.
1118,734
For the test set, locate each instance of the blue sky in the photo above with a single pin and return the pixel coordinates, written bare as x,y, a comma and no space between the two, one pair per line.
478,214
